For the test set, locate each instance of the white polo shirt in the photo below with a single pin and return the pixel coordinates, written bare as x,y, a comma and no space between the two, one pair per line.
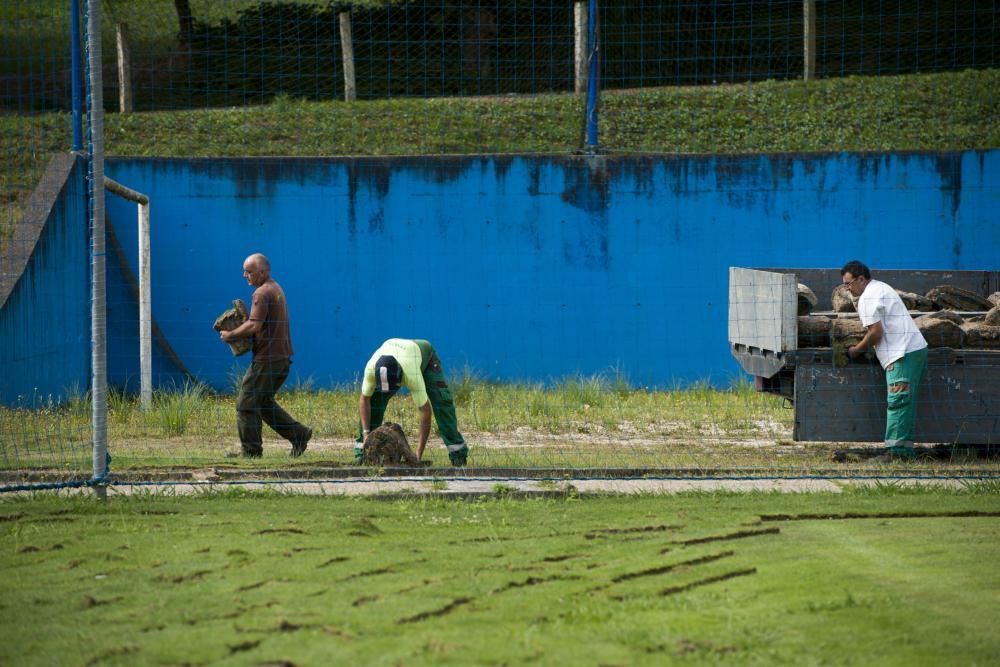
900,335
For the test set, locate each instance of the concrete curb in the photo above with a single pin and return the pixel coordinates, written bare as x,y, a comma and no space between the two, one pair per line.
426,487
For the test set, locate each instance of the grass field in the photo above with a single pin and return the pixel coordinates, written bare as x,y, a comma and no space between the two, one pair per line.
878,576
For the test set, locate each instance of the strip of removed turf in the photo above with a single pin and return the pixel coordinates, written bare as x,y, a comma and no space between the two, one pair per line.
889,574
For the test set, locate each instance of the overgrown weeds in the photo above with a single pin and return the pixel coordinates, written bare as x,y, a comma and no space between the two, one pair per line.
602,406
175,410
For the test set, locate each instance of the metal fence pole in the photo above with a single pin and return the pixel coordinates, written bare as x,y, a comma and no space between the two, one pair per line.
98,301
77,75
593,39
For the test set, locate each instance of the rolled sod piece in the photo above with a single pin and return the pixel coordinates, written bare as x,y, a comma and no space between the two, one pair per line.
231,319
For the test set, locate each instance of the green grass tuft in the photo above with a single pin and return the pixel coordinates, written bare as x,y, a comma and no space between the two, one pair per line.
174,411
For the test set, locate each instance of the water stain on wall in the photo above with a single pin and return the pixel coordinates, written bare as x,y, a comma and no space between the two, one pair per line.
365,176
949,168
586,186
585,242
683,174
501,165
534,178
637,173
869,167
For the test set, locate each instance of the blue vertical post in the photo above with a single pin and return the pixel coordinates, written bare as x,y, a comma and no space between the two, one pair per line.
77,76
593,37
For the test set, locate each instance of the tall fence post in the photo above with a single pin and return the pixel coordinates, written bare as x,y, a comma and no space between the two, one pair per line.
593,41
580,45
347,53
98,267
124,68
809,39
77,75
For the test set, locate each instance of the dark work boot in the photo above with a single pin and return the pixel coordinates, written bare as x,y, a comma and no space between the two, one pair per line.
300,445
459,456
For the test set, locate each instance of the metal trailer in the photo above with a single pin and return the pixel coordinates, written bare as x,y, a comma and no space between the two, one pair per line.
959,400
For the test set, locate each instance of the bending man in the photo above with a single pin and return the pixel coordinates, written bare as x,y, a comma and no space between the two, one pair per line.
899,346
413,364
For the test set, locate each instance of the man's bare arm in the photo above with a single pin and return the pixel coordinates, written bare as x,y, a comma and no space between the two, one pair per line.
245,330
425,428
871,337
365,414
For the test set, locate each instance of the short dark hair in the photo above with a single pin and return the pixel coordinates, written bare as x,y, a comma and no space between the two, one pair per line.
856,269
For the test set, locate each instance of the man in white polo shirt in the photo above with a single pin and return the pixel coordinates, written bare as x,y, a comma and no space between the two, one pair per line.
412,364
899,346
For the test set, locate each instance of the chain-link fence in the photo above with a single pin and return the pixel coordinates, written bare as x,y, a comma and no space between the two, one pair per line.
193,55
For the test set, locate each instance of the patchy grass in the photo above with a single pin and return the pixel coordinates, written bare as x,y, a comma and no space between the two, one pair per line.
594,422
580,421
861,577
945,111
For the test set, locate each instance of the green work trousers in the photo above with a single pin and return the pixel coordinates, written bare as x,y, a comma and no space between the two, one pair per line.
441,402
256,403
901,411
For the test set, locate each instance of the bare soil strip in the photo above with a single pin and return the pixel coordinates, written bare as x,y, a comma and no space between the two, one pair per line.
730,536
673,590
670,568
447,609
875,515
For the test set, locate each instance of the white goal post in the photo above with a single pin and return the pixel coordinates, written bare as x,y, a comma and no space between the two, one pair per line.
145,308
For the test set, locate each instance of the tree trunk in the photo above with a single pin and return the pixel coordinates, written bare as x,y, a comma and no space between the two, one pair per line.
479,40
185,22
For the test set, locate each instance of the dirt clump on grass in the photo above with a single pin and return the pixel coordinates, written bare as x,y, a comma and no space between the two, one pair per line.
387,445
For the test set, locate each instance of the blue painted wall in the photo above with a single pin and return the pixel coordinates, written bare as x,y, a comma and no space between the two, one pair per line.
533,267
45,323
522,267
